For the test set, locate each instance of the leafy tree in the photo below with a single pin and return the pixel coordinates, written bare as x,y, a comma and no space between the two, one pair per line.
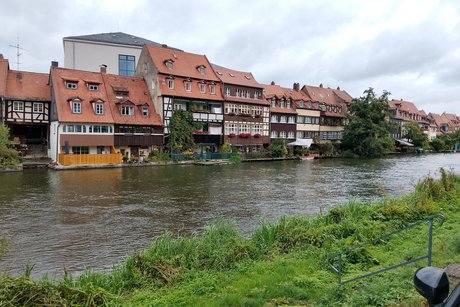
181,129
8,156
278,148
438,144
367,132
415,135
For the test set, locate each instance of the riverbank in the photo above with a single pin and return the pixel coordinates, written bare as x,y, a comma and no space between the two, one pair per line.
280,263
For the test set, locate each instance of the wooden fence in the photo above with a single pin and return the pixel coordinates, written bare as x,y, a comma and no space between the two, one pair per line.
67,159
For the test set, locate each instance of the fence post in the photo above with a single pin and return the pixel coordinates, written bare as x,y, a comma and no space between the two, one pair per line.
430,240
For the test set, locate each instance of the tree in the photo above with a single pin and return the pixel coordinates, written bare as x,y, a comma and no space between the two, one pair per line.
8,156
415,135
181,129
278,148
366,133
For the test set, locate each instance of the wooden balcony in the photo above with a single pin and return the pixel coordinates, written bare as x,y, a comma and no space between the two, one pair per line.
68,159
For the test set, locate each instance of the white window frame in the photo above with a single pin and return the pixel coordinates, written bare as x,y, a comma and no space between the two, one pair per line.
99,108
76,107
71,85
170,82
37,107
273,102
212,89
231,128
227,91
291,119
290,135
283,119
127,110
93,87
282,134
281,103
274,119
18,106
145,111
273,134
188,86
202,88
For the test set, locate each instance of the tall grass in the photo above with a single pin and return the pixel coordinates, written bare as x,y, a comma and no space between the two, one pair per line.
188,270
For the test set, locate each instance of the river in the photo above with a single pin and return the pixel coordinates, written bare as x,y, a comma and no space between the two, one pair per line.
92,219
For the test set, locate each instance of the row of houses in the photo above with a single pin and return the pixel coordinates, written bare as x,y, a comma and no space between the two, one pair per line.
85,114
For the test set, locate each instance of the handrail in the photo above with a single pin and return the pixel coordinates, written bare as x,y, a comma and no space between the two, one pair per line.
427,256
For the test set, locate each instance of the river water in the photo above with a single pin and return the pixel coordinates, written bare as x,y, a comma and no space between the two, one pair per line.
92,219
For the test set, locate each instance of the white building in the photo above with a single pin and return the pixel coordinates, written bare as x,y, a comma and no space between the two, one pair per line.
118,51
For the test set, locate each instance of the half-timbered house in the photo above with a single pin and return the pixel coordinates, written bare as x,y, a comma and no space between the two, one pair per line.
26,104
246,112
186,81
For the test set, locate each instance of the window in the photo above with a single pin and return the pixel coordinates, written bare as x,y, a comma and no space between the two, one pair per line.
273,102
231,128
309,105
93,87
100,129
18,106
126,65
74,128
201,69
238,93
258,111
76,107
127,110
288,104
227,91
274,119
202,88
169,64
212,89
99,108
170,83
37,107
180,106
71,85
290,134
274,134
257,129
244,128
283,119
283,134
80,150
231,109
145,111
291,120
188,86
282,103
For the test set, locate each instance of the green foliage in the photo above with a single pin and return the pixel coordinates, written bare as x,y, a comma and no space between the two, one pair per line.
281,263
415,135
438,144
278,148
235,158
367,132
181,128
8,156
226,148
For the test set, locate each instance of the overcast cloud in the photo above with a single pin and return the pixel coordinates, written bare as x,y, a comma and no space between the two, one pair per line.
410,48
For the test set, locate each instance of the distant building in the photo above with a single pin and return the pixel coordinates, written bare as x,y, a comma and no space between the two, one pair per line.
186,81
118,51
403,112
25,102
333,106
246,112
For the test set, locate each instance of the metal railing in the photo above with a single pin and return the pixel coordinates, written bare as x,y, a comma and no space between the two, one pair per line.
339,271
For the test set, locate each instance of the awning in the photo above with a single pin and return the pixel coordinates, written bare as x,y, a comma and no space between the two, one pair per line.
405,143
301,142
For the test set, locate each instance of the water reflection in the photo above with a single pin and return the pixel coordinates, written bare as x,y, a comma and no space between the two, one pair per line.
94,218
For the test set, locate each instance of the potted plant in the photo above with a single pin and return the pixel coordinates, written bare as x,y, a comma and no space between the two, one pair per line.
231,135
257,135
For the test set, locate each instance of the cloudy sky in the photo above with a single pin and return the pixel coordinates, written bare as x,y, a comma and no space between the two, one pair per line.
410,48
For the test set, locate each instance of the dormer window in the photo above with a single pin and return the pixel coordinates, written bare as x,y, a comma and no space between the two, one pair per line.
282,103
227,91
93,87
170,82
145,111
273,102
127,110
202,88
71,85
301,104
288,105
188,86
212,89
219,73
201,69
76,106
169,64
231,75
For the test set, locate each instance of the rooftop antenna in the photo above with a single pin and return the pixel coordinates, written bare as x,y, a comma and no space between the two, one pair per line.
18,54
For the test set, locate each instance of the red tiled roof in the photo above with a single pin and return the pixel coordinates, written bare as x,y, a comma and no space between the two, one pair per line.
27,86
231,76
403,105
438,119
185,64
3,76
62,95
138,94
333,99
179,88
452,117
246,100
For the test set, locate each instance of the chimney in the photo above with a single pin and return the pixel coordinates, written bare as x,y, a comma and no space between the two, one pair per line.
1,56
19,76
103,68
338,88
164,46
296,86
273,83
54,64
321,85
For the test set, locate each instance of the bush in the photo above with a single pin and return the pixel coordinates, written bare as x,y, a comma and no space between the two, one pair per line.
9,156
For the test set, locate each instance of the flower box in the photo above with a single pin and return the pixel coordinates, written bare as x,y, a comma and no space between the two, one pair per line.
231,135
198,132
257,135
245,135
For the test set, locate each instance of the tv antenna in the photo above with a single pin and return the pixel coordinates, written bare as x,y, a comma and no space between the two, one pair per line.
18,53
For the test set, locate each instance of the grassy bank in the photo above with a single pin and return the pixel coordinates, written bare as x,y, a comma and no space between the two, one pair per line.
282,263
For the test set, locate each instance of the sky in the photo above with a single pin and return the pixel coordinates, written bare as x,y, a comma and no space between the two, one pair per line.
409,48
